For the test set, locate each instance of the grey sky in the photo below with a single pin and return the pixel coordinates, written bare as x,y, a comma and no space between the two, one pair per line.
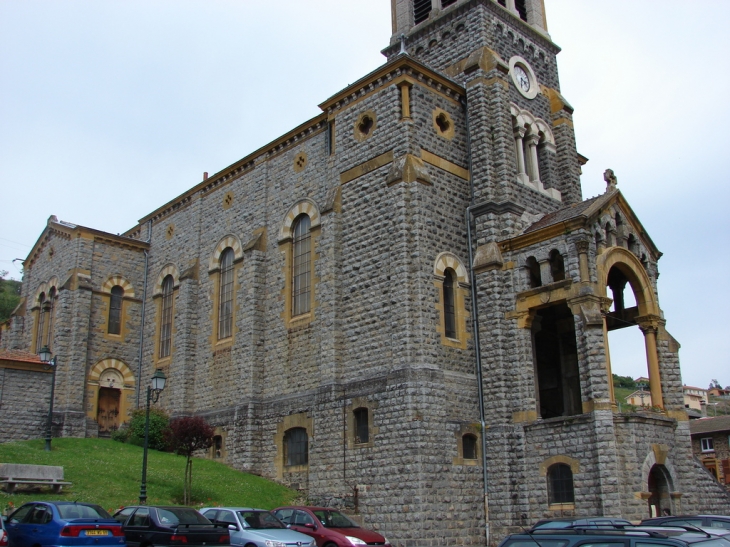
110,109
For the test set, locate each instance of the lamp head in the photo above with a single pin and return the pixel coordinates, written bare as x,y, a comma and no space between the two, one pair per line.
45,354
158,381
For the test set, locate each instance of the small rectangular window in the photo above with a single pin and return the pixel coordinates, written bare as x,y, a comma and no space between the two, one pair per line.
362,433
707,445
331,137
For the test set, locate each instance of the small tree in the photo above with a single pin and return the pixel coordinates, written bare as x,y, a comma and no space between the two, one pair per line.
186,436
159,424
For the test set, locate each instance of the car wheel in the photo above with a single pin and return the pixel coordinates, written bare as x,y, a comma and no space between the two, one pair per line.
251,545
330,545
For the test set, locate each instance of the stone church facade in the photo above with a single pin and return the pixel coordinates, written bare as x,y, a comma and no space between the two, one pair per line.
400,307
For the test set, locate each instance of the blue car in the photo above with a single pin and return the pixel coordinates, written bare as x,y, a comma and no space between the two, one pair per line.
64,524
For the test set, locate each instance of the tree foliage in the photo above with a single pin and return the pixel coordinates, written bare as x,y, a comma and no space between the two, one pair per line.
9,295
159,425
186,436
623,381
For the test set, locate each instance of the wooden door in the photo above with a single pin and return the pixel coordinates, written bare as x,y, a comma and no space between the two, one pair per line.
107,415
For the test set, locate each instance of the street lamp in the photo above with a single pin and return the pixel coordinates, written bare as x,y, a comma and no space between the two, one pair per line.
156,387
50,362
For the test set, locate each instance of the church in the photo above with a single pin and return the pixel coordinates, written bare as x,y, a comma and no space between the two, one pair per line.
400,307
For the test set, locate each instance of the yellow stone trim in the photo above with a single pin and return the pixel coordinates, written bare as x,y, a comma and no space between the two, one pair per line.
113,281
169,231
467,429
571,462
367,167
444,164
214,263
361,402
661,451
303,207
128,388
524,416
228,199
443,262
563,121
593,404
169,269
300,161
223,434
287,423
634,271
405,100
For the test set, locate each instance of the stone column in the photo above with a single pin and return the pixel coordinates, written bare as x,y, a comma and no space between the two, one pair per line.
649,326
520,152
582,248
534,168
546,274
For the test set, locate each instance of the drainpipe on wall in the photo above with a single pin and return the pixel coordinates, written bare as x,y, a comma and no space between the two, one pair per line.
144,305
475,325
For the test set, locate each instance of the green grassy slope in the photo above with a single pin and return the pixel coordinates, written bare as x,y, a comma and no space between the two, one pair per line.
109,473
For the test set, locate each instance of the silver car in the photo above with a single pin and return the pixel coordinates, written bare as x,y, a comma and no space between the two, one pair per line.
256,528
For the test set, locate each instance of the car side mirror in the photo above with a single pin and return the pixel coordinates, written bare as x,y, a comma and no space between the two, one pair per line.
310,525
232,527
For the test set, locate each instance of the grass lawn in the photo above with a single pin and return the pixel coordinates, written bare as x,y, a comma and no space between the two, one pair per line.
108,473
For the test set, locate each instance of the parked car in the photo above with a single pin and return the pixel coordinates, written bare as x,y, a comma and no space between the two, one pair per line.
566,522
620,536
256,528
328,527
62,523
701,521
3,534
150,525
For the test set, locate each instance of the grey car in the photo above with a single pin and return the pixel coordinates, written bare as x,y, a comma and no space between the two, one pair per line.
256,528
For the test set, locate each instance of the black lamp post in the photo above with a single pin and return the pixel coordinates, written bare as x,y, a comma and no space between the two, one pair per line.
45,356
156,387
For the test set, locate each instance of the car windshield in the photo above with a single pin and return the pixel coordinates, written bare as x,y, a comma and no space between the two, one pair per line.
173,516
334,519
260,520
77,511
535,542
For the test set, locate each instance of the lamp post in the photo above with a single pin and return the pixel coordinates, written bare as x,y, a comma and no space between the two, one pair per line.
45,356
156,387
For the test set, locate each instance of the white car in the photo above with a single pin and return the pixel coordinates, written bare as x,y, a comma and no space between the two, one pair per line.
256,528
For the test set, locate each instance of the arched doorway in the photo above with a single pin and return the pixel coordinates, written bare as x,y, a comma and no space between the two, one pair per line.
659,488
111,392
110,397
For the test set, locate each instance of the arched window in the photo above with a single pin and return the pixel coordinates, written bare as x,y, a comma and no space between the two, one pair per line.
115,310
421,10
50,308
533,271
41,322
296,447
166,317
560,484
469,447
301,266
362,431
225,295
557,265
449,307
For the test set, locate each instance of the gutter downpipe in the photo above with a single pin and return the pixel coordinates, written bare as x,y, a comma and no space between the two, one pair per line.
475,324
144,305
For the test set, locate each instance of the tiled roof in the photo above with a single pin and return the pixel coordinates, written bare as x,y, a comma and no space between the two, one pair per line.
17,355
567,213
709,425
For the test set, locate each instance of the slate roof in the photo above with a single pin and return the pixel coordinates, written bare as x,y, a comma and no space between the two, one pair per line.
570,212
709,425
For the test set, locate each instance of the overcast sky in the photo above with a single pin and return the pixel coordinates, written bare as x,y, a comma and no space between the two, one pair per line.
110,109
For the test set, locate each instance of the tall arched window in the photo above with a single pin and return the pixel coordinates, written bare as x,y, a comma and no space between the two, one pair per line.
449,306
560,484
296,447
225,296
50,307
115,310
166,318
41,322
301,266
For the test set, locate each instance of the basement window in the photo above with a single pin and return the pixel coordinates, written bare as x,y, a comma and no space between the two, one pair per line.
421,10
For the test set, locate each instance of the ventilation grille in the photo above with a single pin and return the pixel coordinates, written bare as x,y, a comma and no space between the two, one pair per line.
522,9
421,10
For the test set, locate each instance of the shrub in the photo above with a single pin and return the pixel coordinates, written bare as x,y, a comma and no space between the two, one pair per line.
121,435
159,424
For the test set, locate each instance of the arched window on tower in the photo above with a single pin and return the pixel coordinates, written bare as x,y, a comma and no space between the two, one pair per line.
560,484
41,322
225,295
521,7
166,319
449,305
296,447
421,10
115,310
301,266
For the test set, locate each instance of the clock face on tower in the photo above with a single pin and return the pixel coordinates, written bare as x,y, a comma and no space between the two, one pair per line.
523,77
523,80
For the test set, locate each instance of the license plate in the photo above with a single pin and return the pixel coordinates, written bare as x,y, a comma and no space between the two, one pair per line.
97,532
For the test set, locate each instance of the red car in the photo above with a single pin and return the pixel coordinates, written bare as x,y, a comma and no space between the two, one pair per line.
328,527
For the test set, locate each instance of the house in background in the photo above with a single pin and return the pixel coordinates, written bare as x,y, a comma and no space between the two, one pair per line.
711,445
695,401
